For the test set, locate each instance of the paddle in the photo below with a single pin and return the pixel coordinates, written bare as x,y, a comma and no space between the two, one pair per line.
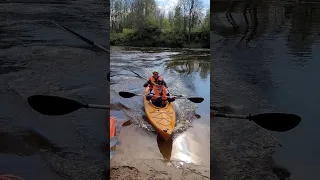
54,105
138,75
152,83
130,95
279,122
82,38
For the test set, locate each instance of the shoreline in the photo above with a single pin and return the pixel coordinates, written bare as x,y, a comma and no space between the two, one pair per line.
145,169
143,160
164,47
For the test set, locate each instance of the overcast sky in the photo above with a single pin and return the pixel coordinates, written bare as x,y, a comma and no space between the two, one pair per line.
169,4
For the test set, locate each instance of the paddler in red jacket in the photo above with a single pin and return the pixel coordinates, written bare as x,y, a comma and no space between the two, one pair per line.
153,79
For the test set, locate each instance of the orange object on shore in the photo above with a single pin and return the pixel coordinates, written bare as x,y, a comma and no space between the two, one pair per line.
112,126
113,131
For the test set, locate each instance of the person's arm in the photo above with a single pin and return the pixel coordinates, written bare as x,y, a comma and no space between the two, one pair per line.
149,95
147,83
170,97
165,84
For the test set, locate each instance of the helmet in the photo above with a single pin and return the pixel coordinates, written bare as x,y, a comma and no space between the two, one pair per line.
155,71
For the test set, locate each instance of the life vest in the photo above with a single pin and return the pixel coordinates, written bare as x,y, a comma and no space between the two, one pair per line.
153,80
160,92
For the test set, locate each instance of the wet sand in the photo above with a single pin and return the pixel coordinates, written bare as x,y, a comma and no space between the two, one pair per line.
143,155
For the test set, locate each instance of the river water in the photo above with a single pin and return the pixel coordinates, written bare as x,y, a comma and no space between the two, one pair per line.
186,72
268,61
37,57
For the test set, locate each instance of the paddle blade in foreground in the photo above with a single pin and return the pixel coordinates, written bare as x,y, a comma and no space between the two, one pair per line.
53,105
196,99
126,94
279,122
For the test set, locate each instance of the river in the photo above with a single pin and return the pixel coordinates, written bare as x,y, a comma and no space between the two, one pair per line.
187,73
37,57
268,62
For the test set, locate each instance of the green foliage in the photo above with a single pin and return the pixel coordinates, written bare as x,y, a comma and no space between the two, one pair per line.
124,37
142,23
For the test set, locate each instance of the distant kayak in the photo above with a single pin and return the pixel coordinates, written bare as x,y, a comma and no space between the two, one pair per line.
162,119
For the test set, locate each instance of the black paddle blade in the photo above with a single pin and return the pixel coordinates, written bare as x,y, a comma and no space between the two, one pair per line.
279,122
126,94
196,99
53,105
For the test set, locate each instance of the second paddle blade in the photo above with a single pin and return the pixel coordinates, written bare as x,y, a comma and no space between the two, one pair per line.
126,94
53,105
279,122
196,99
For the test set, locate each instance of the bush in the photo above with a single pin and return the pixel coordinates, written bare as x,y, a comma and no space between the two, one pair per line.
153,36
127,35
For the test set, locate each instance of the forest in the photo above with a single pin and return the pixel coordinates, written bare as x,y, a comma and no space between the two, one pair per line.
143,23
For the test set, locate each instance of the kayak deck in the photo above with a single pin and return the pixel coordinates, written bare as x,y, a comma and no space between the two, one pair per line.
162,119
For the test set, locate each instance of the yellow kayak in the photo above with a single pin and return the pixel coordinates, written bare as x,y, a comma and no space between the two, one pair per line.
162,119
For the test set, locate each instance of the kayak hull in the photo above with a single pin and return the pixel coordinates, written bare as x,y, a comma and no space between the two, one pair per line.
162,119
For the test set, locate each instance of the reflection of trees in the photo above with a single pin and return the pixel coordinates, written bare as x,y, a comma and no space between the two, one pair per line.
300,36
248,7
186,64
249,19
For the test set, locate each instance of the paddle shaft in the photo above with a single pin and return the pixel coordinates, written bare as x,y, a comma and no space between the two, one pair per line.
82,38
231,116
151,82
97,106
143,77
160,96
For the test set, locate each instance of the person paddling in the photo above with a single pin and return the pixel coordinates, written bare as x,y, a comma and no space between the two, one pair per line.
160,94
153,79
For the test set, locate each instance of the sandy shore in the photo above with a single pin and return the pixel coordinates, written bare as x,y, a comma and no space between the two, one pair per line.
141,155
156,169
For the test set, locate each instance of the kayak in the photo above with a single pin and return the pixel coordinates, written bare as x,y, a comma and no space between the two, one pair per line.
162,119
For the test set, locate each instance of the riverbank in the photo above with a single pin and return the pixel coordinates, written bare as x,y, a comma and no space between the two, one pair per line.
157,169
157,41
138,156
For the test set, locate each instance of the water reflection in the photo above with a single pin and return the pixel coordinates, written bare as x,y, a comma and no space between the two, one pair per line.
186,64
267,60
243,21
165,148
